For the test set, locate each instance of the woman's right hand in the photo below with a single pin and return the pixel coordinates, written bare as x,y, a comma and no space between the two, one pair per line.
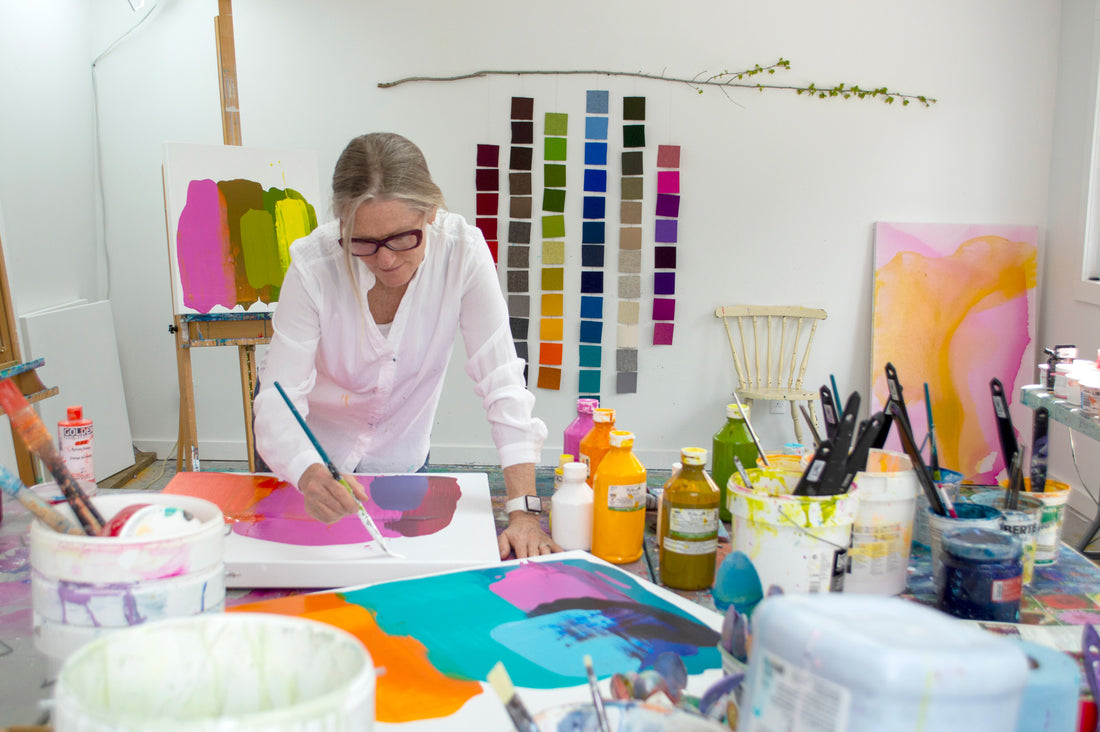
327,499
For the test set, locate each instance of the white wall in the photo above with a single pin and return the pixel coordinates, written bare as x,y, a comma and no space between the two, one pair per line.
780,193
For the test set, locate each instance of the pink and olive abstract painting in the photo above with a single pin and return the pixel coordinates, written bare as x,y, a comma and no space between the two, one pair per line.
954,306
233,213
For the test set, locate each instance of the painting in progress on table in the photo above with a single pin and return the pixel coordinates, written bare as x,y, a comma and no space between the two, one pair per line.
954,306
438,637
233,213
435,521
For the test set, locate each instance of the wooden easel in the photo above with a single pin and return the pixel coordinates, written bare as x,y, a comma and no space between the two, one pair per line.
24,375
243,330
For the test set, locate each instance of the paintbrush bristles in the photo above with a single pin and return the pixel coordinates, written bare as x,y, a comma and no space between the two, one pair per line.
502,684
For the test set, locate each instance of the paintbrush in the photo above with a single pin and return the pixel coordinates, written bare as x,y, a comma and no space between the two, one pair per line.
502,684
1039,450
37,439
910,446
752,432
1005,431
933,458
1015,481
828,410
368,522
896,395
47,514
742,473
810,422
597,699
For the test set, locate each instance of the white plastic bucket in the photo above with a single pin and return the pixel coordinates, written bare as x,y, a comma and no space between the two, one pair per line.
799,543
1054,500
85,586
230,672
876,664
882,534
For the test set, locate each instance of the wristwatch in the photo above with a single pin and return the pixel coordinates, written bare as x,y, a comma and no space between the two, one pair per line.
530,504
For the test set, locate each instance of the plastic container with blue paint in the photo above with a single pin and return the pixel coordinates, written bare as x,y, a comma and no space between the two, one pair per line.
983,575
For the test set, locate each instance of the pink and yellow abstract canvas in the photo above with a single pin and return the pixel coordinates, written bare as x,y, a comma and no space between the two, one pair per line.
233,213
954,306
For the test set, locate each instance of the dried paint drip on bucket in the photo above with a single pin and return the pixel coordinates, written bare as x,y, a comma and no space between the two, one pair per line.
799,543
982,575
83,587
233,672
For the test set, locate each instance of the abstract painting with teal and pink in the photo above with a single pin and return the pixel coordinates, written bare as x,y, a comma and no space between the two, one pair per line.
233,213
439,636
954,306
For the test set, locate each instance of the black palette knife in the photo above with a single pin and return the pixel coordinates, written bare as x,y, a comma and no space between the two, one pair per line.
1005,430
1039,450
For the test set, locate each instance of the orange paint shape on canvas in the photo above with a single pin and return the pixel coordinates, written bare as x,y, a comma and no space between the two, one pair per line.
235,495
411,688
550,354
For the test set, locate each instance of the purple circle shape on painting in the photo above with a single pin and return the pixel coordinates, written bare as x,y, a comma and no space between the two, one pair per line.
399,492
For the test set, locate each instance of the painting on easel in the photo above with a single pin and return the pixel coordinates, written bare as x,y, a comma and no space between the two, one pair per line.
435,521
233,213
954,306
438,637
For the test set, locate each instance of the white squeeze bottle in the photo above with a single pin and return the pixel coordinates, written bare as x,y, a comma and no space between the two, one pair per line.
571,509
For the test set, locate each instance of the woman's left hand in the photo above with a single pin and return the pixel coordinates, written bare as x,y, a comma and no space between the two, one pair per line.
525,537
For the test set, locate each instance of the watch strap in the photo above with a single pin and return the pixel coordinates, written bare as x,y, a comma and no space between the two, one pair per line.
530,504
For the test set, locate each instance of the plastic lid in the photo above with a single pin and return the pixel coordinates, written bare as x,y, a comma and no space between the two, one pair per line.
619,438
603,415
1062,368
575,472
76,413
564,460
693,456
585,406
982,545
735,412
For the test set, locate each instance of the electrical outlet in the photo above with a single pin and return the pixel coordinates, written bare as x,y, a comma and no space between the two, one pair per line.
775,406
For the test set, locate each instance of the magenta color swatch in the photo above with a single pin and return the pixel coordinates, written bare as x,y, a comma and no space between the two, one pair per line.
664,308
487,156
666,231
664,283
203,249
668,156
662,334
668,181
668,205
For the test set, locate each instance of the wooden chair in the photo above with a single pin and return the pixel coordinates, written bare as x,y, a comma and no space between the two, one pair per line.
771,347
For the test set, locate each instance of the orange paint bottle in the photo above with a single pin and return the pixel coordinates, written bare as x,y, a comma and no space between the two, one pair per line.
597,442
618,511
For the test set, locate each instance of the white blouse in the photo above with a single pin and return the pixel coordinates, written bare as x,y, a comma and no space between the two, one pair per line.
370,398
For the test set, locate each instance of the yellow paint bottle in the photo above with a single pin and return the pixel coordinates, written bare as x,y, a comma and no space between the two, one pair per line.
688,522
618,514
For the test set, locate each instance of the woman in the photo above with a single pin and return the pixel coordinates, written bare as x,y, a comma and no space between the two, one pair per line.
364,329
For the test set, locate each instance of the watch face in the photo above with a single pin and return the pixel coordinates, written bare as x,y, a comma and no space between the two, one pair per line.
534,504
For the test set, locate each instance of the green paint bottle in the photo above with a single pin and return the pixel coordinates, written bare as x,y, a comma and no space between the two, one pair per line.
733,439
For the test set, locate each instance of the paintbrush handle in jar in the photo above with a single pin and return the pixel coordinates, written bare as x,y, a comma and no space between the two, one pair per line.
47,514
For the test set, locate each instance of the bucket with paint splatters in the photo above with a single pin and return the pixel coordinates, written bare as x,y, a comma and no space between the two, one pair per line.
878,561
226,672
799,543
85,586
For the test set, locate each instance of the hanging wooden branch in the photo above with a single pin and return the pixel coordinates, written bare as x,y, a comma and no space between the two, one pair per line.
724,80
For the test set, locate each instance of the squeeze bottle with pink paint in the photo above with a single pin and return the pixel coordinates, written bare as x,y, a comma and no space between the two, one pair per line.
579,427
74,440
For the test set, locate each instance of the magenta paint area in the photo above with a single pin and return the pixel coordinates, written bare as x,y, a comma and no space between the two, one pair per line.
540,619
203,249
401,505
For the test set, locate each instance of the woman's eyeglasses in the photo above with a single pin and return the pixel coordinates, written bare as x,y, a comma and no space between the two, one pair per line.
403,242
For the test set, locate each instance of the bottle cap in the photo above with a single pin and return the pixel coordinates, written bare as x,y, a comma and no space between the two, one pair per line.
619,438
76,413
693,456
585,406
564,460
603,416
575,472
735,412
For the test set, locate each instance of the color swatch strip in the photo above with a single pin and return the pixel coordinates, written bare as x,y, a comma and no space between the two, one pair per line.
519,223
593,242
630,246
552,313
665,236
487,182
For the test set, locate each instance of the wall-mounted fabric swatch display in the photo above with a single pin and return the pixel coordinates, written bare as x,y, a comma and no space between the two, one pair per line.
630,246
518,269
665,237
593,242
552,314
487,183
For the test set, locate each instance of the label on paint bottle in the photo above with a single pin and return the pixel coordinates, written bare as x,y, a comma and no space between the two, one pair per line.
74,441
1007,590
787,697
626,497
